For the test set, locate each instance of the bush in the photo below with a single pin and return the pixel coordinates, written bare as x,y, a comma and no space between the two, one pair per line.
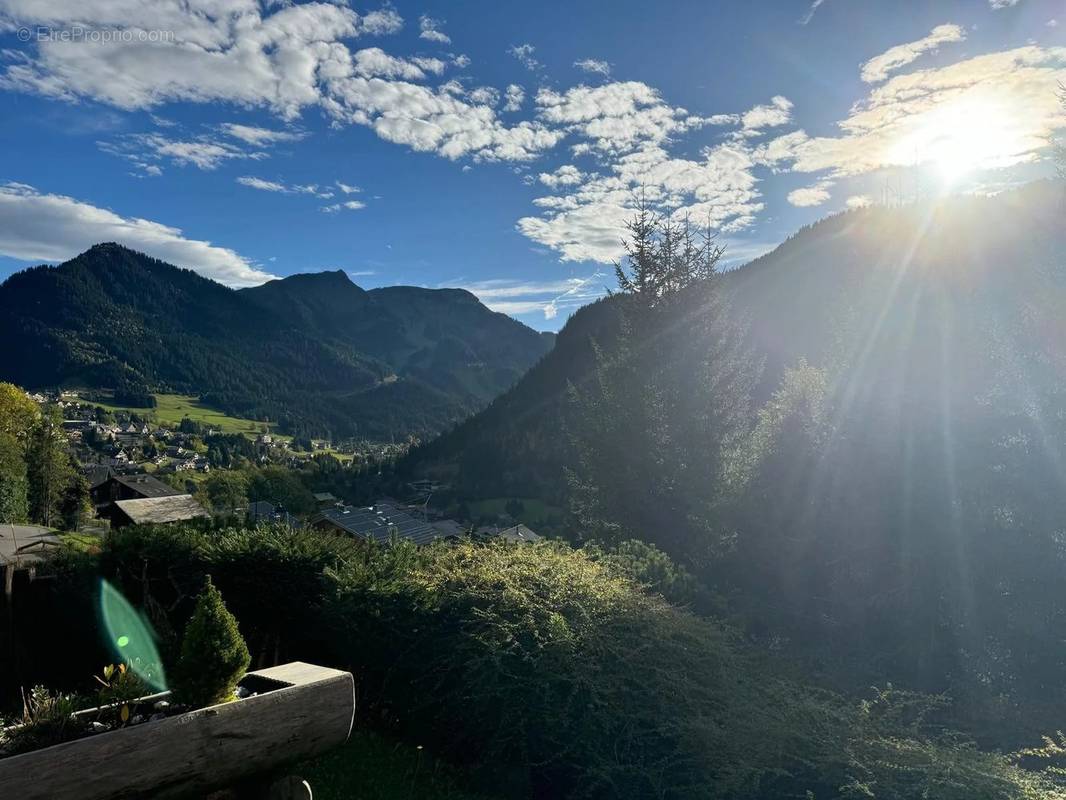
545,671
647,565
213,653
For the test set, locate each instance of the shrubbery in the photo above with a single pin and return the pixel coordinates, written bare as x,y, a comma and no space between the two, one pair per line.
549,673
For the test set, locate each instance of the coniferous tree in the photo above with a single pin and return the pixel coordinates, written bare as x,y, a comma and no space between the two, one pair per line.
655,427
214,655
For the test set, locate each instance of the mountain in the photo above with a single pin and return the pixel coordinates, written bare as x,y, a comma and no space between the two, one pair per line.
315,352
853,286
885,501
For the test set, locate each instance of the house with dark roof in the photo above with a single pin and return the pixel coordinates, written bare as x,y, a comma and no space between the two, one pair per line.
128,487
377,523
156,510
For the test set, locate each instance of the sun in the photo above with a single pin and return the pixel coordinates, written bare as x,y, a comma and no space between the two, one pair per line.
964,135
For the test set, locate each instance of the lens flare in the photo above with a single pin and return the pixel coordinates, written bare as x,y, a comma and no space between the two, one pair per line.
130,637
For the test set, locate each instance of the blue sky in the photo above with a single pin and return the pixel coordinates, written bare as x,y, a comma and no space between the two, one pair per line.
497,146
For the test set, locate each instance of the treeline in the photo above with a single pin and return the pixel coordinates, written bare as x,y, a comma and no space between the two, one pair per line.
39,479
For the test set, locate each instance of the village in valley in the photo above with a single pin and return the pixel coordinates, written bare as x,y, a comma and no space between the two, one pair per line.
140,470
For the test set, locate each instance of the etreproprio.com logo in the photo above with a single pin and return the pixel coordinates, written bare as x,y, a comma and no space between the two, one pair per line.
82,34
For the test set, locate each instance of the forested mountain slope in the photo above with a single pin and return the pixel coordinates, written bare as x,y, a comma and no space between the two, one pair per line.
829,293
859,439
315,352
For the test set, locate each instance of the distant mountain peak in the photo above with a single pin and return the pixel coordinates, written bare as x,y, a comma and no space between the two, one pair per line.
328,279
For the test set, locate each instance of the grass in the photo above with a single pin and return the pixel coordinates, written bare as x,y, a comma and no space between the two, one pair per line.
171,408
372,767
81,542
535,512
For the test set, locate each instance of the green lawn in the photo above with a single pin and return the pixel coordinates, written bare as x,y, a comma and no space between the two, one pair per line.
372,767
171,408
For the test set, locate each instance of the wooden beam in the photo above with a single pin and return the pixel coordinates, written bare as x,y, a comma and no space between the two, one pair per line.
198,752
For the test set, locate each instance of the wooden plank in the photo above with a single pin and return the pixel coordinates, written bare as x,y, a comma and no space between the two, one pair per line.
196,752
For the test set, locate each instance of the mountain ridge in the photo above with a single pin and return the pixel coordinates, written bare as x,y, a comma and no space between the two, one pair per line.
312,351
819,296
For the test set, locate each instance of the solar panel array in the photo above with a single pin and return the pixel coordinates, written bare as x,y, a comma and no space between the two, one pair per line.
380,522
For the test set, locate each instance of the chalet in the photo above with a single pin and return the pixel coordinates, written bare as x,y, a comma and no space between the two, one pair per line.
127,487
156,510
378,523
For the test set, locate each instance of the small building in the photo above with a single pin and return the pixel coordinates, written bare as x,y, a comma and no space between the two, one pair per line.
325,500
519,533
156,510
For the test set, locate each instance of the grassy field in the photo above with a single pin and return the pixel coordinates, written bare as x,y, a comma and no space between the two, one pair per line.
171,408
371,767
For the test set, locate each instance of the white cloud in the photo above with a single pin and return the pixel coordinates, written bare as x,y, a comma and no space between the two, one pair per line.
588,223
594,66
51,227
813,195
807,17
614,117
858,201
878,68
206,153
383,21
484,95
348,188
259,137
284,188
778,112
430,30
350,205
524,54
513,97
434,65
994,110
285,59
996,5
545,297
229,51
567,175
373,61
436,120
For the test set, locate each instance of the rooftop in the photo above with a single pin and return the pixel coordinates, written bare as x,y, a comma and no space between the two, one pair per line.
21,544
148,510
146,485
379,522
